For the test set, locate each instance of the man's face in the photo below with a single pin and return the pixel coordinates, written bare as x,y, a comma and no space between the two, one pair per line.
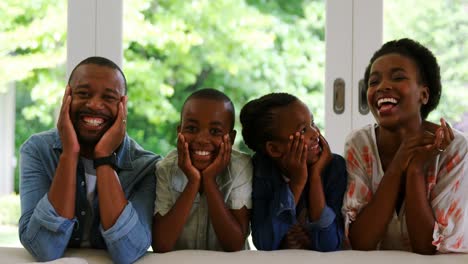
96,93
204,123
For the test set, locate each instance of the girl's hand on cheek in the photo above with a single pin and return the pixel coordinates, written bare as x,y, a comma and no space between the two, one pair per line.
325,157
294,159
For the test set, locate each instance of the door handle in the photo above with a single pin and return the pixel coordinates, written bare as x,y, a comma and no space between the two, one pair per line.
338,96
363,105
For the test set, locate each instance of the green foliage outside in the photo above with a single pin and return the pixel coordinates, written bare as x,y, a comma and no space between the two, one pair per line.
443,27
245,48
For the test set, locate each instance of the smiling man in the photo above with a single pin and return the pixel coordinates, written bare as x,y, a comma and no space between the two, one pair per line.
87,183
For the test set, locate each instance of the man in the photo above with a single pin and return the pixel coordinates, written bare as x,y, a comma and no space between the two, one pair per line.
87,183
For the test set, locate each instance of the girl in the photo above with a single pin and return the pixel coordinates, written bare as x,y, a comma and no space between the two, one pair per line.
298,184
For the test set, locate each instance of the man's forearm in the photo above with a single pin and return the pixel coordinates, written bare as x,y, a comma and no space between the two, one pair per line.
112,199
62,193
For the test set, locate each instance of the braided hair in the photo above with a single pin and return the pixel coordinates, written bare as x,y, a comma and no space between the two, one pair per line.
258,119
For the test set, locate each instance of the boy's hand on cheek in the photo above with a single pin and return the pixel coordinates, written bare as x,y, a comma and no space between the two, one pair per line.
221,161
184,161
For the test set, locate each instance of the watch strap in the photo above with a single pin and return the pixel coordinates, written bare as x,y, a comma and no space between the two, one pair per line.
109,160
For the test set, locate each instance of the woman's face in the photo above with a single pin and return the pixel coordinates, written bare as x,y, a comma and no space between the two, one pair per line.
395,93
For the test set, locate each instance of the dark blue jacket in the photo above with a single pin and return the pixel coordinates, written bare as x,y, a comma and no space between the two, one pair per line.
274,210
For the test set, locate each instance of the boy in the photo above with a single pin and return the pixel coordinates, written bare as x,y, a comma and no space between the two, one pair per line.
203,190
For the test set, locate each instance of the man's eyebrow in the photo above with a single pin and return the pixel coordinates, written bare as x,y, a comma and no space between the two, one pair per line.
84,85
114,91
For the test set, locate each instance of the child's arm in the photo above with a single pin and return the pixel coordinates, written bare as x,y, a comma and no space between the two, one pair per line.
316,195
231,226
274,211
325,229
167,228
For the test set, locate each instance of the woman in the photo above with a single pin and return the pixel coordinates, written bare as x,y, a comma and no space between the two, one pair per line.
407,176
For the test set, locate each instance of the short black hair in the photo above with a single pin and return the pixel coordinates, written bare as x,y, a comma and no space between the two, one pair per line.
426,62
212,94
101,61
257,119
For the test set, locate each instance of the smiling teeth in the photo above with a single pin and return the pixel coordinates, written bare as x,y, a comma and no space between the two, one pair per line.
386,100
93,122
202,153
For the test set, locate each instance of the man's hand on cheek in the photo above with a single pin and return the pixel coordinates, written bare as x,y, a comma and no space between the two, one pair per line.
65,126
114,136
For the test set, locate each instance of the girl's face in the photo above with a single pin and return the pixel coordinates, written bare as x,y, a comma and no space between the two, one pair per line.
395,94
293,118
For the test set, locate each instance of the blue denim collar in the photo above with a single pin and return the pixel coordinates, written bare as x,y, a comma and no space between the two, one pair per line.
124,158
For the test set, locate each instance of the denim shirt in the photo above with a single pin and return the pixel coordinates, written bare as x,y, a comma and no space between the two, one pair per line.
46,235
274,210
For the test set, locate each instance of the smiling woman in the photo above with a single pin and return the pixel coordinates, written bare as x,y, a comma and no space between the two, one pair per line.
406,170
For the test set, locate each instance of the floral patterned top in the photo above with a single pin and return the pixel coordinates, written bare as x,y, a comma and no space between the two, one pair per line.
447,188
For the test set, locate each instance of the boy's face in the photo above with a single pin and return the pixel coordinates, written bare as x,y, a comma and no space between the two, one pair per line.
204,123
297,118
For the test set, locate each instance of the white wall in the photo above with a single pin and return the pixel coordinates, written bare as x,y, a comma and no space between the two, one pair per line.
7,140
94,28
353,32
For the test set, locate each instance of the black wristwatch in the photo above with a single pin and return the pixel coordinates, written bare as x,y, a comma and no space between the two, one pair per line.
109,160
